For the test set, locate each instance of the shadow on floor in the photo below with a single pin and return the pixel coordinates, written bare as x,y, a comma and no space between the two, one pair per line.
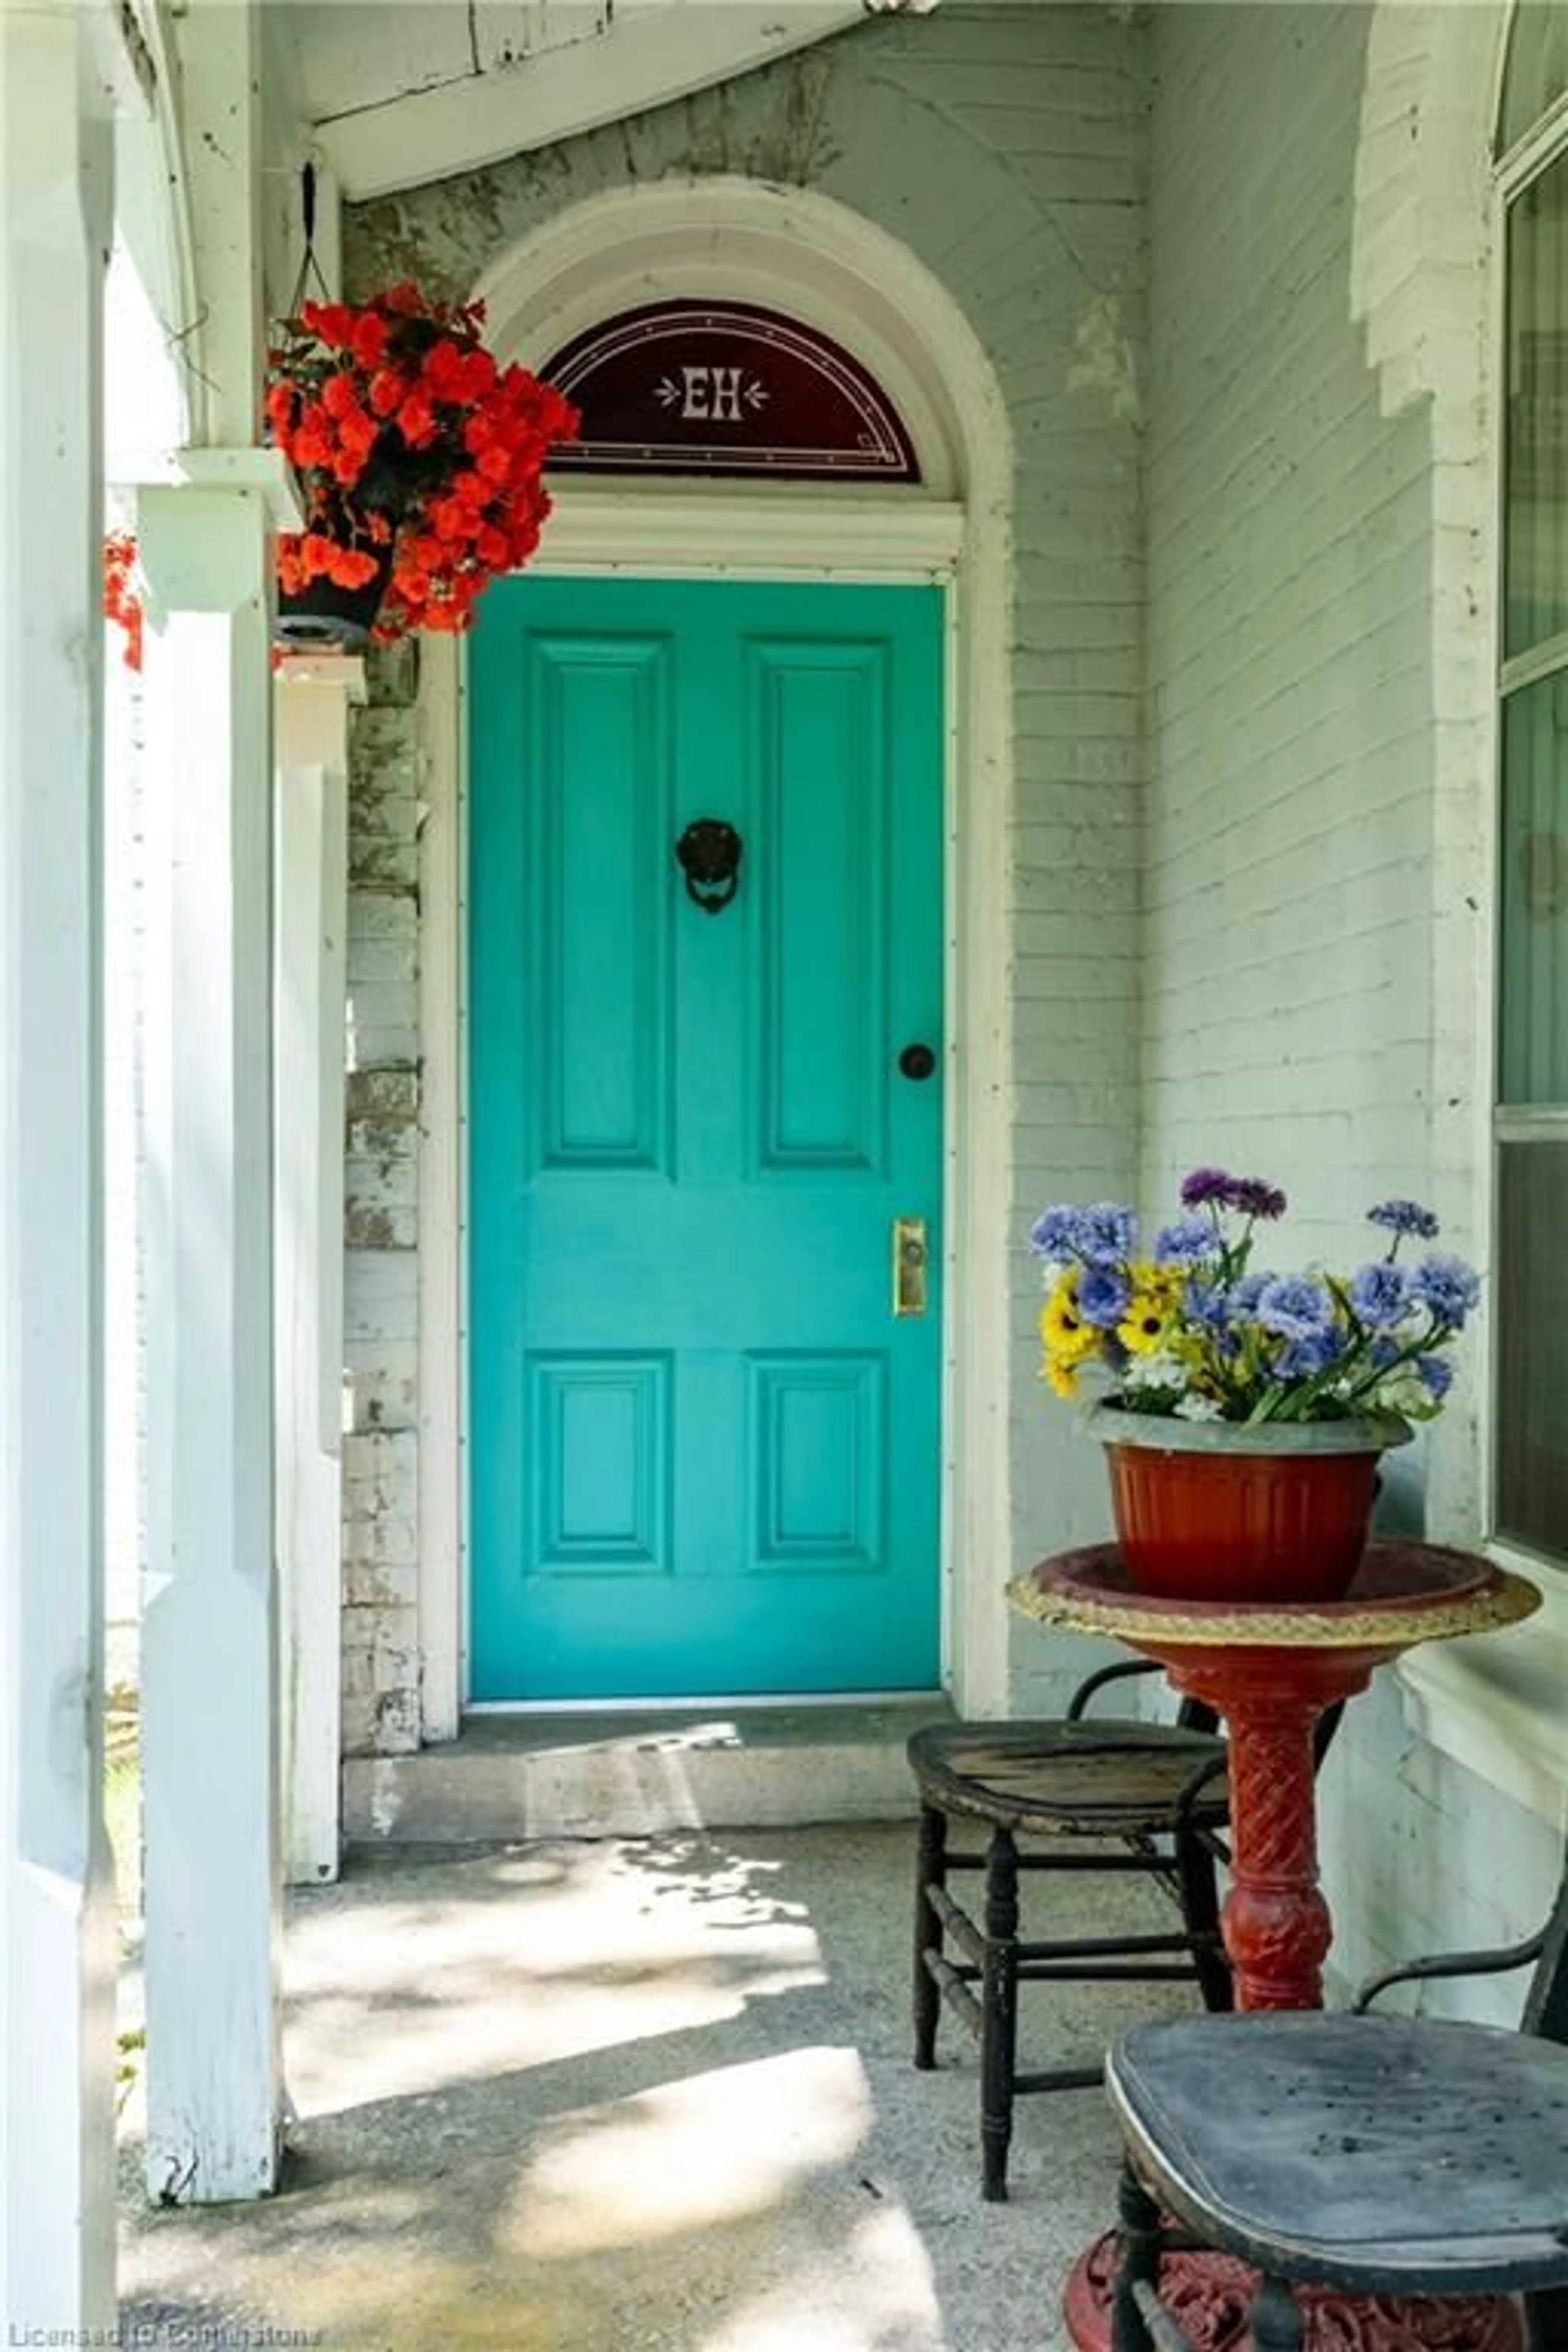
634,2095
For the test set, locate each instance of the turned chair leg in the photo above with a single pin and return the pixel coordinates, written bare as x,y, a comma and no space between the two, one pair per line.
1137,2260
999,2014
1200,1915
1546,2320
930,1870
1278,2325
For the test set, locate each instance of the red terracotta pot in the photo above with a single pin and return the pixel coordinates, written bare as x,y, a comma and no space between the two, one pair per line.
1218,1511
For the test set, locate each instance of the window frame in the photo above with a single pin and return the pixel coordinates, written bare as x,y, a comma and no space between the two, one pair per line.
1514,173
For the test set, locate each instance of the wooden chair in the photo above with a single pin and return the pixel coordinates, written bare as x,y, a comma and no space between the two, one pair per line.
1382,2156
1153,1792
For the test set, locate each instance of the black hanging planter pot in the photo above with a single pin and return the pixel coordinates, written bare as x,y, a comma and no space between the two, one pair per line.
322,617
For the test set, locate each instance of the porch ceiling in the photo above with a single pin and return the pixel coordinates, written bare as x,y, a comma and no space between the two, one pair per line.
396,95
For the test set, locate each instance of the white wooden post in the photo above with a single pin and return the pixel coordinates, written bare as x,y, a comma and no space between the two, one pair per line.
314,697
57,1914
209,1633
209,1636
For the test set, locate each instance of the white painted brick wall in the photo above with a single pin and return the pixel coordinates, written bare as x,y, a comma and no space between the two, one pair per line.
1006,147
1287,875
1301,859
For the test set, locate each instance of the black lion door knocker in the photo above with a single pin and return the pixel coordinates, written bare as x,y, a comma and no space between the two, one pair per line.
708,852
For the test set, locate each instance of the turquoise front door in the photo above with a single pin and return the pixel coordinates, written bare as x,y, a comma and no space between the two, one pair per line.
704,1450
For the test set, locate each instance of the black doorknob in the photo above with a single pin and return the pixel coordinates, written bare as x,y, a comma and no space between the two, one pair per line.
916,1061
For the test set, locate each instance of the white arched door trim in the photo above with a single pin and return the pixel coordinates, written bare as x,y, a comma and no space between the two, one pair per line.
806,255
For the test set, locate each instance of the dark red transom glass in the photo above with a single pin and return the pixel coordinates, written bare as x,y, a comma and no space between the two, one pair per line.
725,388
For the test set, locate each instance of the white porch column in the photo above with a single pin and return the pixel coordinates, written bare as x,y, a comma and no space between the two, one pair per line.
209,1636
56,1915
314,697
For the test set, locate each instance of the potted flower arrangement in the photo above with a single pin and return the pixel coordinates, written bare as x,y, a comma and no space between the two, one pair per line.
417,458
1244,1411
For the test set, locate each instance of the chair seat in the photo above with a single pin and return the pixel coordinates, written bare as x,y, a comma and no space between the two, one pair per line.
1380,2153
1078,1779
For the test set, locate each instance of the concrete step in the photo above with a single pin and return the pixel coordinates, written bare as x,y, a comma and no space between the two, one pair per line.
631,1773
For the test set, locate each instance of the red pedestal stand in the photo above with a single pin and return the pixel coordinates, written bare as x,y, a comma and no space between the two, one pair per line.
1269,1670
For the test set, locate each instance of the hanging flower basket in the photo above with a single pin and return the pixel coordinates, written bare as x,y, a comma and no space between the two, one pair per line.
418,459
411,446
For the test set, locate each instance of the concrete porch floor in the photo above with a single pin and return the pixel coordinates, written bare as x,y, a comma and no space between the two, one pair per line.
635,2096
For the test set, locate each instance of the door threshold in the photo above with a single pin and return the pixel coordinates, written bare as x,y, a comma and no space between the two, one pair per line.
587,1772
752,1701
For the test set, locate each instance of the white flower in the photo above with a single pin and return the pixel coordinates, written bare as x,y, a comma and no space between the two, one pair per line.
1403,1389
1198,1408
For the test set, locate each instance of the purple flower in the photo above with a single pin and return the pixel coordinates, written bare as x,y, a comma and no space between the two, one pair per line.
1185,1241
1437,1376
1404,1217
1054,1234
1381,1294
1448,1287
1102,1296
1255,1196
1295,1305
1205,1184
1104,1234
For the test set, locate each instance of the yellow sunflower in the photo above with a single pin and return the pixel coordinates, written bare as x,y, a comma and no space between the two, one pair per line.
1151,1309
1068,1340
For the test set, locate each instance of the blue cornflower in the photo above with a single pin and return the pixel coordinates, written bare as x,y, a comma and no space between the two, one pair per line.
1255,1196
1380,1295
1103,1296
1206,1303
1448,1287
1437,1376
1054,1234
1404,1217
1104,1234
1302,1358
1205,1184
1245,1292
1185,1241
1295,1305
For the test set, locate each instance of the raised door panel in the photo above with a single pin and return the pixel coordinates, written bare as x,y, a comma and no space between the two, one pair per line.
599,756
818,726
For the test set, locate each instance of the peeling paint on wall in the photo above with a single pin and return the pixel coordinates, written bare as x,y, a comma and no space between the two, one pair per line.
381,1219
1106,360
790,145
